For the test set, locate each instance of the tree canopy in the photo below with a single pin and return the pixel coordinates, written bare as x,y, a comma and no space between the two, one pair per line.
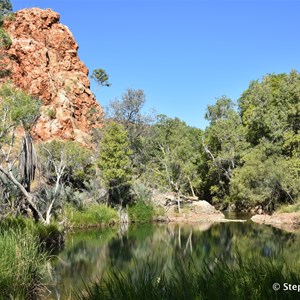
5,8
101,77
114,161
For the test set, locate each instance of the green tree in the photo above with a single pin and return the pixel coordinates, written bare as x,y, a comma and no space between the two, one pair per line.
271,107
114,161
5,8
266,180
174,157
270,171
223,144
101,77
128,111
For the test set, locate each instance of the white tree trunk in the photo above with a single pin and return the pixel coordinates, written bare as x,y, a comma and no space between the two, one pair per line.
28,196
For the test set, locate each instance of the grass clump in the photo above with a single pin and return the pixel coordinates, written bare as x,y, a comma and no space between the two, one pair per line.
22,265
93,215
141,212
250,278
47,236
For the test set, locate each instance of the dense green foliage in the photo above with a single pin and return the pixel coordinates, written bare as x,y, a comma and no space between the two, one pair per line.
223,144
270,112
17,108
174,156
245,279
101,77
248,155
114,161
252,154
141,212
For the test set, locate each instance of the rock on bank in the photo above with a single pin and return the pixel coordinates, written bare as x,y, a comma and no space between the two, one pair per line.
286,221
190,211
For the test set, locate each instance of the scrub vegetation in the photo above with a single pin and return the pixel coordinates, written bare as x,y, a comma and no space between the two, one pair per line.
248,157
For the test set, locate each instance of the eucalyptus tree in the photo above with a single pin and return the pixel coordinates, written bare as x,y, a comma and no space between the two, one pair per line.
270,112
264,180
270,107
223,144
129,111
175,156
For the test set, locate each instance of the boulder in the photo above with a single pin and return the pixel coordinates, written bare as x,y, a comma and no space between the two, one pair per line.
192,210
285,221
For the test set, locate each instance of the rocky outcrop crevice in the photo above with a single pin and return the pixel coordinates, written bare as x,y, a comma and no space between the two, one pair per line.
44,62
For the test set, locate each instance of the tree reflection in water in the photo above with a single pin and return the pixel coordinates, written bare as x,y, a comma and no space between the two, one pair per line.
88,254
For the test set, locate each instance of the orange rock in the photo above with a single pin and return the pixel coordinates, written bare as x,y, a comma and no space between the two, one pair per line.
45,63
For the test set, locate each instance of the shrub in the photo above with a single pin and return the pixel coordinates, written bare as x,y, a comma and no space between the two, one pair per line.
5,40
141,192
141,212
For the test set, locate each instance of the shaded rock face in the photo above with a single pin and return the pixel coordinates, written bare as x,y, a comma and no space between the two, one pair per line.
44,62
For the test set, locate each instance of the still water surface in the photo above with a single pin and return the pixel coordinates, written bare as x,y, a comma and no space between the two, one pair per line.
89,253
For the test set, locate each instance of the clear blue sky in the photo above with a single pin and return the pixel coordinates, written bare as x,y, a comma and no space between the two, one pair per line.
183,54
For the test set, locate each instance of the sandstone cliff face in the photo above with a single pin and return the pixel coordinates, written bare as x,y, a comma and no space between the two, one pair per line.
44,62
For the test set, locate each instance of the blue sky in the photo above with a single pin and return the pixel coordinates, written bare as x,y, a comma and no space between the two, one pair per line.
183,54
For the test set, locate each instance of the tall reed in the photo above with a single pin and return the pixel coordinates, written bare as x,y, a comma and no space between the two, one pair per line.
22,265
248,278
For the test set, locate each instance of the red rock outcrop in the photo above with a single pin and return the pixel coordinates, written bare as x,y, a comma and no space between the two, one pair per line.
44,62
